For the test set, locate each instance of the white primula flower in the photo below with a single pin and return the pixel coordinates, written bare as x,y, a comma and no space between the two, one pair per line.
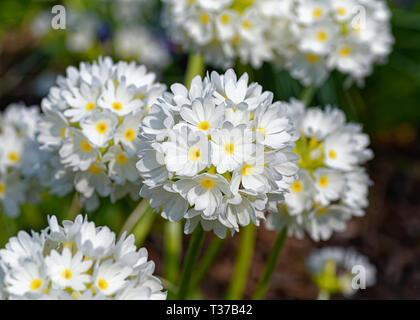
76,261
21,159
333,270
91,125
309,38
332,185
202,159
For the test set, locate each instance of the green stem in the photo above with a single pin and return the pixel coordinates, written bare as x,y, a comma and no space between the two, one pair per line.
270,266
307,95
144,225
243,261
207,261
196,67
135,216
173,250
192,255
75,207
5,233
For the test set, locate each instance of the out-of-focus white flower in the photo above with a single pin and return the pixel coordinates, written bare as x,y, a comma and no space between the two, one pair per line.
140,44
334,270
91,125
309,38
21,160
332,185
76,261
212,153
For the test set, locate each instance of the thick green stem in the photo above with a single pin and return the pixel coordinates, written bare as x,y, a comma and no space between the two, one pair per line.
207,261
173,250
192,255
196,67
307,95
144,225
270,265
135,216
243,262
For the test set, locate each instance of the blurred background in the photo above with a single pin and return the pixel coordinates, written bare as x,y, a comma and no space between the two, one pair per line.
32,54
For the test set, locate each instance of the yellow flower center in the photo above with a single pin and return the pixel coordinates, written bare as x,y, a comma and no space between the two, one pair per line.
2,188
204,126
102,284
229,148
13,156
66,274
194,154
90,106
121,158
341,11
101,127
207,183
345,51
312,58
247,24
204,18
36,284
117,106
94,169
332,154
297,186
225,18
246,170
139,96
191,2
323,182
317,13
322,36
129,134
86,147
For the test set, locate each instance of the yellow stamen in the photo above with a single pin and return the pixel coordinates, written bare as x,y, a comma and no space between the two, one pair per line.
317,13
117,106
312,58
225,18
194,154
229,148
204,126
246,170
323,182
101,127
345,51
94,169
332,154
2,188
130,134
90,106
66,274
121,158
86,147
36,284
102,284
204,18
13,156
322,36
297,186
321,211
207,183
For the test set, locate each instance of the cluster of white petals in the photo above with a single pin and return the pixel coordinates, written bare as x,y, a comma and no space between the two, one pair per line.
76,261
309,38
214,153
91,123
332,185
21,161
334,270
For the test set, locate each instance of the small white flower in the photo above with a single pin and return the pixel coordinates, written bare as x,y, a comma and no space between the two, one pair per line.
99,127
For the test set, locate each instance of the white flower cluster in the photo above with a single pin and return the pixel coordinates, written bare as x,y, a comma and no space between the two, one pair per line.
20,158
76,261
333,269
91,121
213,153
332,185
307,37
